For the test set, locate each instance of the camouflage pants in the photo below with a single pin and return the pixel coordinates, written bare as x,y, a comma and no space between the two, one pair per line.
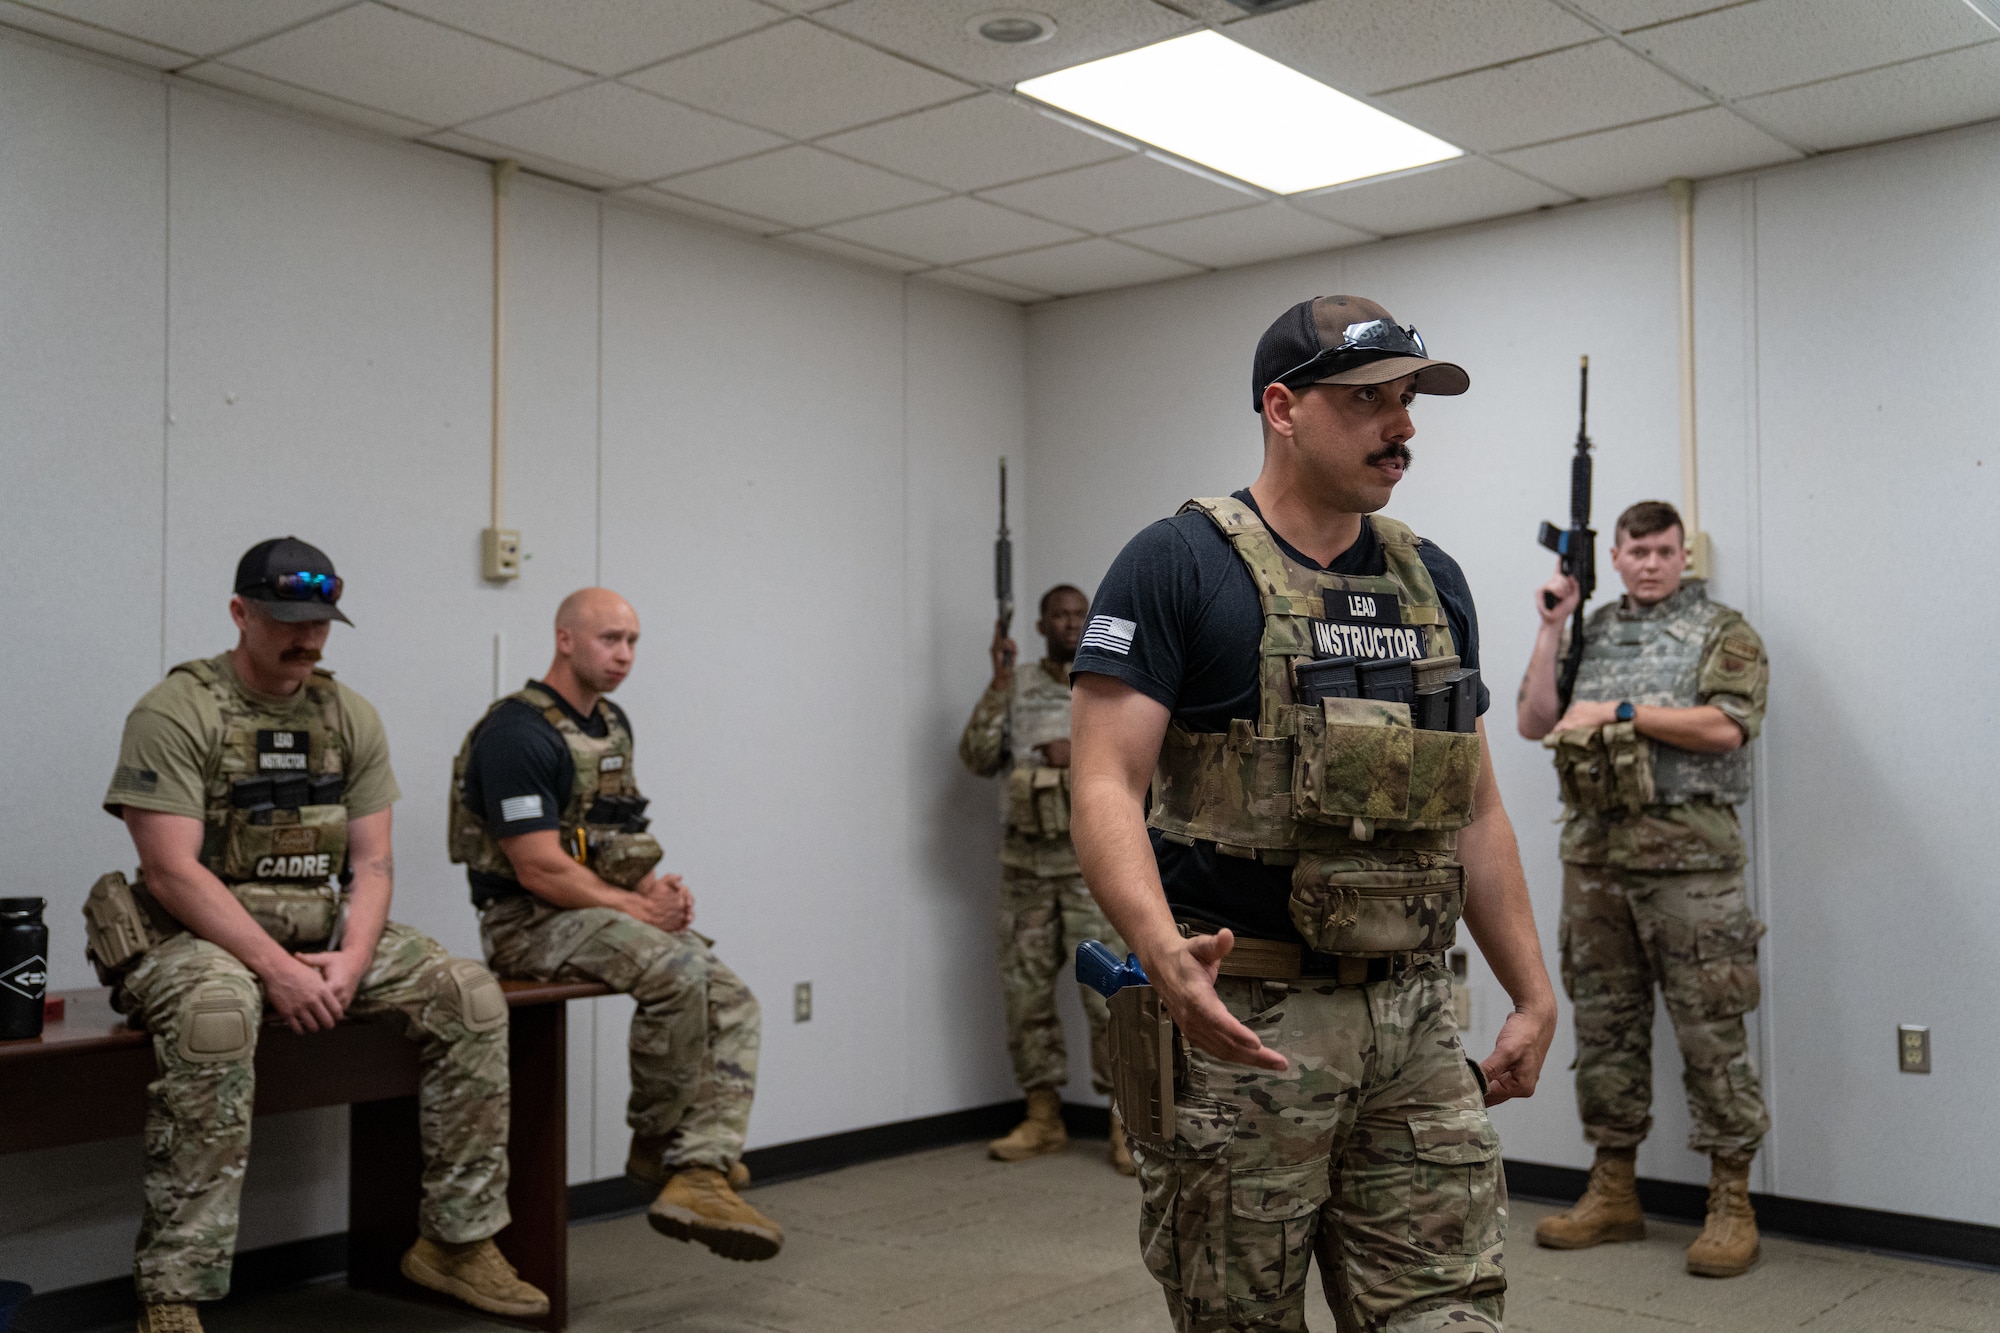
1372,1154
694,1037
1691,933
1040,924
203,1008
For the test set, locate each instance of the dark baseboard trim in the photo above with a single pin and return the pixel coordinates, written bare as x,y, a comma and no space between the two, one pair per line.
1826,1223
111,1301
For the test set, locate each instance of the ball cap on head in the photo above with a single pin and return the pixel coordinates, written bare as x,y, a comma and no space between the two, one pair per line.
1327,340
265,561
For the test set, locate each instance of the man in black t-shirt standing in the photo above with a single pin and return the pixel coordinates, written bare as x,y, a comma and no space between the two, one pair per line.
1304,865
547,818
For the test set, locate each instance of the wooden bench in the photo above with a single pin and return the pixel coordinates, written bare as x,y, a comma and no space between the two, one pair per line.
85,1079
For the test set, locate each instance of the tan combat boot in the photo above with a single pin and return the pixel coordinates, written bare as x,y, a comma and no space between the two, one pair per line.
174,1317
1039,1135
1121,1156
645,1164
474,1272
1727,1245
697,1204
1608,1210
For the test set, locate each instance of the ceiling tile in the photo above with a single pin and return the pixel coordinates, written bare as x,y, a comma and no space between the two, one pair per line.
1547,97
1442,196
1781,43
622,132
1626,15
661,201
1953,89
1082,266
270,90
24,19
952,231
1247,236
1130,192
801,6
858,254
972,282
488,151
1710,142
973,144
602,36
799,80
200,29
1366,46
404,65
934,32
802,186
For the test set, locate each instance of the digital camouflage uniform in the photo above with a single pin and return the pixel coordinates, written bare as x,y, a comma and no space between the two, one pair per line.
1045,908
1653,890
1373,1151
204,1008
695,1034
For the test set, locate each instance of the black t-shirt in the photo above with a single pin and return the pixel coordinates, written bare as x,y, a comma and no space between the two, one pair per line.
519,775
1178,618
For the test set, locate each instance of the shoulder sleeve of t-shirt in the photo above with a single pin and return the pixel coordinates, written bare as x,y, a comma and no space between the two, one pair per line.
371,783
1463,616
518,772
164,753
1137,627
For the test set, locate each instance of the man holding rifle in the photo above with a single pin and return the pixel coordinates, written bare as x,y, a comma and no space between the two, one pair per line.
1300,874
1653,757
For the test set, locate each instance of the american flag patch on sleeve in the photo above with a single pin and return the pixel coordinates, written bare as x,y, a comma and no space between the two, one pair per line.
1109,634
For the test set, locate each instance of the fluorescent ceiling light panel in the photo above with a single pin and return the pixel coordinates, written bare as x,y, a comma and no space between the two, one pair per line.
1217,102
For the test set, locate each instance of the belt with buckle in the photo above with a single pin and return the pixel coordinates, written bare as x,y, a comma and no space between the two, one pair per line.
1280,960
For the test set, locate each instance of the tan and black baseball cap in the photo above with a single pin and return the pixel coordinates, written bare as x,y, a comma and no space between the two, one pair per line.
1346,340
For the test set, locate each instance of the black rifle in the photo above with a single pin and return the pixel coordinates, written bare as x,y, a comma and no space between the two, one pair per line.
1003,561
1576,544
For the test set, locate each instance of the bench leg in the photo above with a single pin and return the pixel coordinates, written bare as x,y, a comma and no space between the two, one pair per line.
537,1242
385,1165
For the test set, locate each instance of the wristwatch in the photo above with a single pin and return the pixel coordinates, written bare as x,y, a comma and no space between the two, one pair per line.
1626,710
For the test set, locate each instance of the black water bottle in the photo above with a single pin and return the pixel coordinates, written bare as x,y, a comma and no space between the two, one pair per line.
24,967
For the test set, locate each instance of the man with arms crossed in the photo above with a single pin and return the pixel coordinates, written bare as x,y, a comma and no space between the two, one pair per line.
1021,725
547,818
1670,693
1295,932
258,792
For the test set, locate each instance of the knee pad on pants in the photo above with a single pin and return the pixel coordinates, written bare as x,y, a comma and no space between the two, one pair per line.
218,1022
482,1005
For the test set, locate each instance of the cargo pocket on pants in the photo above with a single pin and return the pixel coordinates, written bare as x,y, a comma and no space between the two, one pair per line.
1455,1182
1184,1204
1272,1211
1724,978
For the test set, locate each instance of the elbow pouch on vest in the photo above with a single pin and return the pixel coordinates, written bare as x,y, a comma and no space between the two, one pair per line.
1038,802
617,857
1604,770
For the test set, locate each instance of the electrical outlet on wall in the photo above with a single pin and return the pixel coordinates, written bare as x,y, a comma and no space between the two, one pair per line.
1913,1049
802,1002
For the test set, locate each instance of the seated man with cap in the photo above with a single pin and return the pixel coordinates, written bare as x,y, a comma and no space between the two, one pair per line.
258,793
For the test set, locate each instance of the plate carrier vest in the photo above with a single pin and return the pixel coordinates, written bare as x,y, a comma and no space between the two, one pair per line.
1364,806
618,850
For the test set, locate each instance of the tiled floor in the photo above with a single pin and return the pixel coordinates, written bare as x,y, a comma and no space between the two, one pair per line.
947,1240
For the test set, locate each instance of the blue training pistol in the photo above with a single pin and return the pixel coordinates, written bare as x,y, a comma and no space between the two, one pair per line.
1098,968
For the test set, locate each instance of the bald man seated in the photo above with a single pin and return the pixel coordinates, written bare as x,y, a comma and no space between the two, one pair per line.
548,821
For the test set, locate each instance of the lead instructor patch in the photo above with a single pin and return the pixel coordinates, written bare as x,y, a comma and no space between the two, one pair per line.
1364,624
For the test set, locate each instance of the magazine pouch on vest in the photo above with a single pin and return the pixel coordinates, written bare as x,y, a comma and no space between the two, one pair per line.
1364,806
1038,802
1603,769
276,807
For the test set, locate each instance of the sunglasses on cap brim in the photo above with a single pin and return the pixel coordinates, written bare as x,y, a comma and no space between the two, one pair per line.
1371,339
305,587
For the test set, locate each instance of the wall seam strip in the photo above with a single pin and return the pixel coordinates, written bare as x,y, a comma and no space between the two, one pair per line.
1760,791
597,558
903,657
166,340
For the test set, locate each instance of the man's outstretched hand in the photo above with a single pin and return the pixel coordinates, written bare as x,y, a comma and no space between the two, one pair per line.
1184,976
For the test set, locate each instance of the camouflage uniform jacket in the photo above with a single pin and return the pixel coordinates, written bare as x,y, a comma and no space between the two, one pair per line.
1683,652
1002,734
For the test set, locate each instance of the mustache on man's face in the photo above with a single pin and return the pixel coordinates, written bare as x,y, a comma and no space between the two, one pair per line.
1400,452
300,655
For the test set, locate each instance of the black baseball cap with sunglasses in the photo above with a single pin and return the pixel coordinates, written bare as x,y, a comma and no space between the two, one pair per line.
290,580
1346,340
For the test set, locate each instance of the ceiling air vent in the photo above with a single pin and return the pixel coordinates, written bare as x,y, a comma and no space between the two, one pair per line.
1264,6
